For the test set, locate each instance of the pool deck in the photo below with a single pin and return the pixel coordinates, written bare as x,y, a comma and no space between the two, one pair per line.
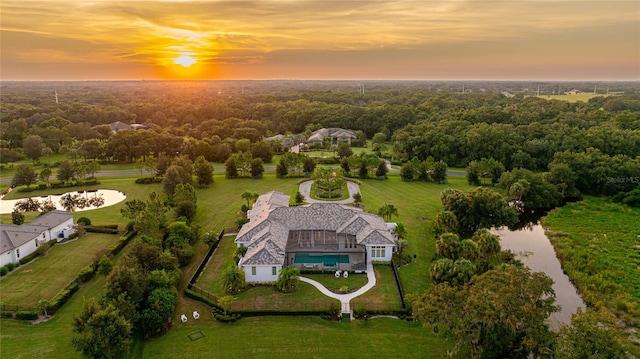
345,298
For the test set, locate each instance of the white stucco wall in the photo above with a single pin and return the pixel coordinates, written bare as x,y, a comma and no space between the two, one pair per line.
25,249
387,254
264,274
61,228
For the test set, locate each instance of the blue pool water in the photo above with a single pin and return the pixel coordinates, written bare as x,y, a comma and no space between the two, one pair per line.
327,259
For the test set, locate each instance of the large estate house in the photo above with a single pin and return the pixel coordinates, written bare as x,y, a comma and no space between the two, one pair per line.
337,135
318,236
18,241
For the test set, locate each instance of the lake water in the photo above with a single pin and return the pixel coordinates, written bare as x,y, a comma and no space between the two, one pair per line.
532,247
111,197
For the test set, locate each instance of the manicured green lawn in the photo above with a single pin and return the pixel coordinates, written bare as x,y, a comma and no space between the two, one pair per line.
297,337
219,204
266,297
50,339
598,243
353,282
46,276
384,296
417,204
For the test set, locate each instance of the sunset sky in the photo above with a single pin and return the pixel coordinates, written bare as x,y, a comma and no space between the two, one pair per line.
292,39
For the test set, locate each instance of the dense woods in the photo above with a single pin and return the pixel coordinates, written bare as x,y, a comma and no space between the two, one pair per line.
536,153
207,118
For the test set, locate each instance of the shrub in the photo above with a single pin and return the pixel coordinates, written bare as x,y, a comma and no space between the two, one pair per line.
4,271
6,315
102,229
26,315
62,297
29,258
104,265
11,266
27,189
42,186
84,220
86,274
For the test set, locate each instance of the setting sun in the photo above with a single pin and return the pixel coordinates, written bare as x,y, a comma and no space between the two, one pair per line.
184,60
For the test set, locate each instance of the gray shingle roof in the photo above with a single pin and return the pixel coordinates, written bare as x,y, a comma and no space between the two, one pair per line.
13,236
271,219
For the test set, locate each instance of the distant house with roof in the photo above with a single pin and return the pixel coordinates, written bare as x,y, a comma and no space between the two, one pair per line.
318,236
18,241
337,135
121,126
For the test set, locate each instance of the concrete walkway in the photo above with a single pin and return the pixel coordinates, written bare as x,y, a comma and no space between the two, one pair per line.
345,298
305,190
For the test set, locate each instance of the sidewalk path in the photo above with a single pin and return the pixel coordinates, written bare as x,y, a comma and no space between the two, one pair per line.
345,298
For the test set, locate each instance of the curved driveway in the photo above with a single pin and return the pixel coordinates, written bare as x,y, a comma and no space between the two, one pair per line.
305,190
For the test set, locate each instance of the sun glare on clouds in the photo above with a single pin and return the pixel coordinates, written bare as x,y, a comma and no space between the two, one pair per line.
184,61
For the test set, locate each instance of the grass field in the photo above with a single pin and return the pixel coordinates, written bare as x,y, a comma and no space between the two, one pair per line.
598,243
218,206
297,337
50,339
334,284
384,296
584,97
417,204
46,276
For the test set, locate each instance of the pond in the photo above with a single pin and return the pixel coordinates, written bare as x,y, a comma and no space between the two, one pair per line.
110,197
532,247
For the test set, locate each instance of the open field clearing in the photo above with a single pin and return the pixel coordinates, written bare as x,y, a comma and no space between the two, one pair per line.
45,277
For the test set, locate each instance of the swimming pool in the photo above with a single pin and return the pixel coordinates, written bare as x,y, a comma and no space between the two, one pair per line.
328,260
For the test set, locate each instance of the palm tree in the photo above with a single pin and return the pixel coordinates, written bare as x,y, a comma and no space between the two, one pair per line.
441,270
463,270
288,279
387,211
400,231
488,244
250,196
445,222
448,246
232,279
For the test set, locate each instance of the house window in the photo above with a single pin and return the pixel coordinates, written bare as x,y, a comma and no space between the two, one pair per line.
253,270
274,270
18,252
36,242
378,251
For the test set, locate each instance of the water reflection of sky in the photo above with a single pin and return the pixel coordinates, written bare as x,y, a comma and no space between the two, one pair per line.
111,197
532,247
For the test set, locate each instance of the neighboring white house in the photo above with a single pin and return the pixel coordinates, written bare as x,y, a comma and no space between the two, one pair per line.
120,126
337,135
319,236
19,241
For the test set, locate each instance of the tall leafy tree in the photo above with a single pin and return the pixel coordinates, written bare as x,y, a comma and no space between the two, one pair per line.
66,171
204,172
33,146
591,334
498,314
480,207
101,333
25,175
